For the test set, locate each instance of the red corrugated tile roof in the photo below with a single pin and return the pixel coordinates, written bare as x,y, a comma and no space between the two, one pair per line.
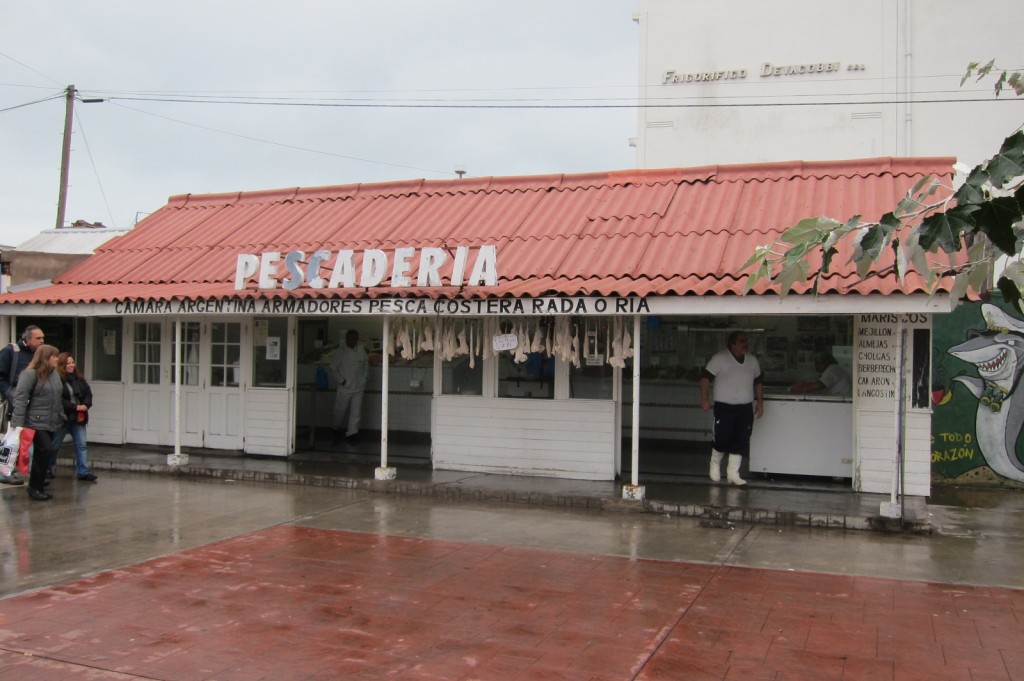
659,232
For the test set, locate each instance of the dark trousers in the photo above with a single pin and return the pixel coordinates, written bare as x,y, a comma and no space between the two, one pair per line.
733,425
42,444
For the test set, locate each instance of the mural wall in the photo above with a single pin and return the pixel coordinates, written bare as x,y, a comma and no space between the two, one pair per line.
977,399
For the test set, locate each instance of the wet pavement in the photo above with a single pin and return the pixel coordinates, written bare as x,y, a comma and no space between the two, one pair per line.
195,575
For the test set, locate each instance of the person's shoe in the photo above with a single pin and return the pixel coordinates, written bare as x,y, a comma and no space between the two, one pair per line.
715,470
11,479
354,437
733,470
39,495
50,474
88,477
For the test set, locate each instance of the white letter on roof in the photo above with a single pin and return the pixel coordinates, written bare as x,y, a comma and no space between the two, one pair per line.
344,270
313,277
485,269
293,263
431,261
268,269
400,268
459,267
375,267
245,267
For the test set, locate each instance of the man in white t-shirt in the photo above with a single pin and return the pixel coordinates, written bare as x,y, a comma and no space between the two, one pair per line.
738,397
832,379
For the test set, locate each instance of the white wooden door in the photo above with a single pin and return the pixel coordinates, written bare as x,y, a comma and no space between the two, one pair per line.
225,385
193,407
148,393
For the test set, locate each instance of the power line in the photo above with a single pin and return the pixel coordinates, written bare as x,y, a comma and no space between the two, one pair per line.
279,144
59,95
22,64
514,106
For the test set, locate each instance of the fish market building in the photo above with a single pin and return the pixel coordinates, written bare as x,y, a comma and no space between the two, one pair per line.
549,325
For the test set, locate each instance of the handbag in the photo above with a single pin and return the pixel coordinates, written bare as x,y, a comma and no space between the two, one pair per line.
9,448
25,439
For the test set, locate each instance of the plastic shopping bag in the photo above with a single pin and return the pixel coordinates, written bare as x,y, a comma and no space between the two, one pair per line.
9,448
25,450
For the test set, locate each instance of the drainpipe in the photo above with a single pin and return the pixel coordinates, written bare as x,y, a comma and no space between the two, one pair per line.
383,472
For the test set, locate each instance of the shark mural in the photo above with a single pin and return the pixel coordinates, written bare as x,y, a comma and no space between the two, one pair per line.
998,355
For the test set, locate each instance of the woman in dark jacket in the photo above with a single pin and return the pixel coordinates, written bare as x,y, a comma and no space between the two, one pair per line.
77,401
38,405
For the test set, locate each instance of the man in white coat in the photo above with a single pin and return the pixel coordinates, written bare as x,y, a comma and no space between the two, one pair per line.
351,370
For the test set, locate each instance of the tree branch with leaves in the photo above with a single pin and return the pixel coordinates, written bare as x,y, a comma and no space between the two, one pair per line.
936,231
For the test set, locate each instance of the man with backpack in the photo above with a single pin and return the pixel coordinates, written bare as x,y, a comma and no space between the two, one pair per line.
14,359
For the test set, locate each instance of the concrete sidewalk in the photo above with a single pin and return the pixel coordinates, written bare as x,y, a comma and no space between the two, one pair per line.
799,503
158,576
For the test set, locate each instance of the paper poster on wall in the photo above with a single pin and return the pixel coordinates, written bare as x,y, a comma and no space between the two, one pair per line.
109,342
260,329
273,347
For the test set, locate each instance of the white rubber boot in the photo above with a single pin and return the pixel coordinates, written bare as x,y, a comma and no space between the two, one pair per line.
733,470
716,465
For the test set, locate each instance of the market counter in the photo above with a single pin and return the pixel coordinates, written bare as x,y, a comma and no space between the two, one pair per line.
804,435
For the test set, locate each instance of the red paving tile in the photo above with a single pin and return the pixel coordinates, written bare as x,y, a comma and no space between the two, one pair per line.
305,604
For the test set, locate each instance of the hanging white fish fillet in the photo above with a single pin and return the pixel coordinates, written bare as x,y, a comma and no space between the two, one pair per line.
427,344
537,344
575,344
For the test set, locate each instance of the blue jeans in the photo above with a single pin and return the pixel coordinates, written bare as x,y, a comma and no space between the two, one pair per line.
77,431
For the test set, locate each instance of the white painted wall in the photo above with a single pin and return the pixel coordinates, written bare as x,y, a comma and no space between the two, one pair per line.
552,438
268,427
106,418
875,418
888,51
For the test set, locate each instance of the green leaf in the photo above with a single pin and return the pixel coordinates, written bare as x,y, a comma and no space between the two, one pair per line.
943,230
761,253
996,218
813,230
826,259
1011,292
1009,162
901,261
916,254
960,283
763,271
1017,83
1000,82
793,272
984,70
972,190
980,272
970,69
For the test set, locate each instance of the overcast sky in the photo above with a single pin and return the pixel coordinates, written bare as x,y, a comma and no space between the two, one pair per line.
131,152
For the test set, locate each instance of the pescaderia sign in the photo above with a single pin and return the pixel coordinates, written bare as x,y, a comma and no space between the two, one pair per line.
295,269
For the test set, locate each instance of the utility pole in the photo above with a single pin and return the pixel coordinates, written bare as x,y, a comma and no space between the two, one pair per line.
65,156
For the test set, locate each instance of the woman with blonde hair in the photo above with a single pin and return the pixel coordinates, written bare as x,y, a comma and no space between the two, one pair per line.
38,405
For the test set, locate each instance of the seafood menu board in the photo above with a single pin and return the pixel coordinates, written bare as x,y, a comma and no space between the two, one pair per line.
876,360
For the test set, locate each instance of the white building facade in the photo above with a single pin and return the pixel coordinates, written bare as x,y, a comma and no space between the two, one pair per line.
735,81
